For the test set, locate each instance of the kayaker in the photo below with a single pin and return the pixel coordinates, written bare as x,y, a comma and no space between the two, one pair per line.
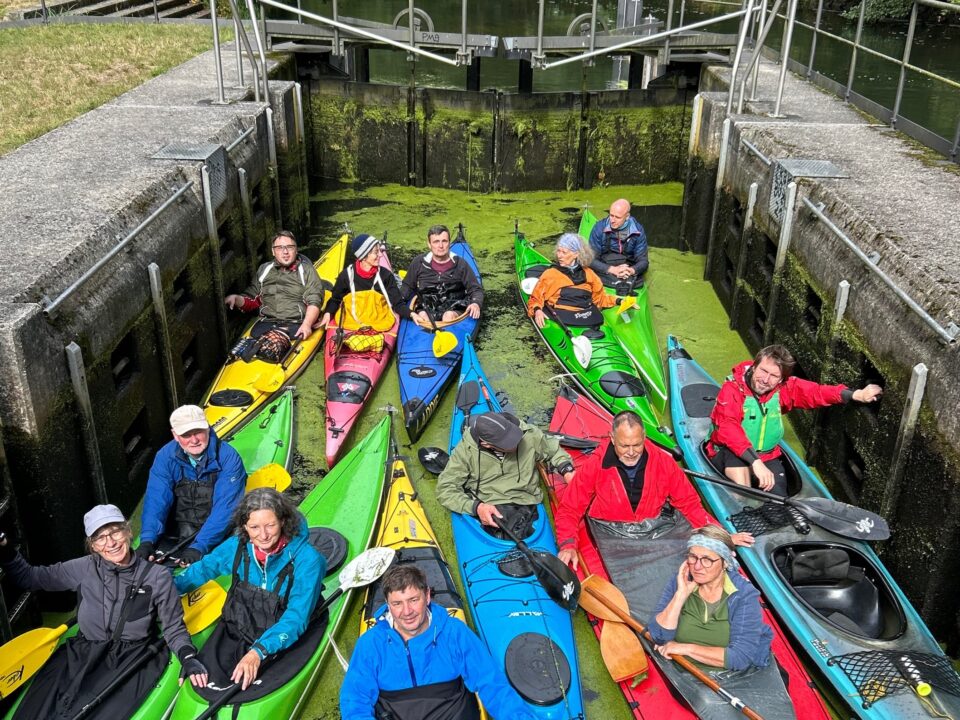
709,612
417,662
276,581
365,295
628,479
620,247
492,472
445,286
288,294
195,484
570,288
748,416
123,602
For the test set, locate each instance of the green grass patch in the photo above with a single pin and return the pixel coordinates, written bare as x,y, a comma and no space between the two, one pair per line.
52,74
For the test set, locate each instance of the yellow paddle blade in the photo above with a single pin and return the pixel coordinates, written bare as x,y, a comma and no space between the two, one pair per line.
202,606
628,302
621,651
272,476
271,380
443,342
24,655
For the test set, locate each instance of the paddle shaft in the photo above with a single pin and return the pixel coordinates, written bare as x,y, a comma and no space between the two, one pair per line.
558,321
169,554
682,661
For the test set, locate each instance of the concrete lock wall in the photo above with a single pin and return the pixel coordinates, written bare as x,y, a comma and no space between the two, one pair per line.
484,141
896,203
74,194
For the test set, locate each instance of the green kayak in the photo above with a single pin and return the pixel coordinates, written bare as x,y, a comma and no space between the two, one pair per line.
348,501
268,438
634,329
610,377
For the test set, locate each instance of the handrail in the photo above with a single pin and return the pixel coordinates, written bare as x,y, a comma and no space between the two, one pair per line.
949,333
50,306
240,138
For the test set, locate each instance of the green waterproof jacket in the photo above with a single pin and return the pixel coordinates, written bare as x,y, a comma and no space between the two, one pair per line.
285,293
512,480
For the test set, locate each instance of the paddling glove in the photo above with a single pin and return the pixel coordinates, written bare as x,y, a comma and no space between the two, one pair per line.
146,549
189,663
190,556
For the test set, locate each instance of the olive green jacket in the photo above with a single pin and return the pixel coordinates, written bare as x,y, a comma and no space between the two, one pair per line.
511,480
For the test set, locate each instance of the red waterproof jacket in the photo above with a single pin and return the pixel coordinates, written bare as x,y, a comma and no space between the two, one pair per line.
727,414
597,490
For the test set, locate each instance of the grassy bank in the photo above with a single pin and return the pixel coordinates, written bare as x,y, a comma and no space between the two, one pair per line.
51,74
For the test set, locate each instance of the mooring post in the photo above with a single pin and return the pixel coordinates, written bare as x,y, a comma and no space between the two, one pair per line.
274,170
783,244
246,210
88,428
303,173
721,169
826,370
163,333
692,145
908,425
742,258
214,239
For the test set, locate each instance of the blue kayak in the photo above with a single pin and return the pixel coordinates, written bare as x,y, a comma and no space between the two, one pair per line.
424,377
528,635
831,593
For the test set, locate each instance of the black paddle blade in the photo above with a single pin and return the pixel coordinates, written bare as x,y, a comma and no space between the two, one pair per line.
433,459
557,579
843,519
577,443
468,395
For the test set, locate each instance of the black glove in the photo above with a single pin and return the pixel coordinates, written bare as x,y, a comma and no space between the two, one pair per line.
565,468
146,549
189,663
8,551
190,556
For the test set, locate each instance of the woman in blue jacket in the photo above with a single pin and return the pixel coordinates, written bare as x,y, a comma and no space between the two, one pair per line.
277,578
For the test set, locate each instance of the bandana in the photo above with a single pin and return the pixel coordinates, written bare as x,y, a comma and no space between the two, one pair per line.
569,241
716,546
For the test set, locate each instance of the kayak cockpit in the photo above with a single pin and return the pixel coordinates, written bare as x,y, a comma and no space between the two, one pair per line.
794,482
842,586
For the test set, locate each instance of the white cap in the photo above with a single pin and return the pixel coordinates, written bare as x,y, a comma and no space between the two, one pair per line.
187,418
101,515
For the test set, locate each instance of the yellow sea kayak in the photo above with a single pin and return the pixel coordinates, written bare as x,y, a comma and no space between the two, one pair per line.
243,388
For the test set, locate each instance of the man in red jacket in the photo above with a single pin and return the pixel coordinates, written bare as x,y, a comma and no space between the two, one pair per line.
627,479
748,416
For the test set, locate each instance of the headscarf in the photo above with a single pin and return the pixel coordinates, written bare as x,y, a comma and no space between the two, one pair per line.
716,546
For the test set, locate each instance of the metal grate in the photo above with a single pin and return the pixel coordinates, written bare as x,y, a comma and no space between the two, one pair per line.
786,171
759,520
881,673
210,153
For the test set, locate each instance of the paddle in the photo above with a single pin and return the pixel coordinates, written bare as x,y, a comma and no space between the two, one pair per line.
582,347
837,517
272,475
362,570
26,654
622,652
202,607
433,459
273,378
443,340
625,304
605,601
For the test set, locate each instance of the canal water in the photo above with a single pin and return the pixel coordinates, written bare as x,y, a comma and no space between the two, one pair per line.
513,356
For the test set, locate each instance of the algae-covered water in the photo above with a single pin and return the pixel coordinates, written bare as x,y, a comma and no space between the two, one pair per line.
513,357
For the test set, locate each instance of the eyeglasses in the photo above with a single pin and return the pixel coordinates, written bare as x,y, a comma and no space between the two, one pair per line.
285,248
706,562
118,535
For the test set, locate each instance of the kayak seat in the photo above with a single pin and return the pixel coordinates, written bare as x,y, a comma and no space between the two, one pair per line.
839,591
537,668
619,384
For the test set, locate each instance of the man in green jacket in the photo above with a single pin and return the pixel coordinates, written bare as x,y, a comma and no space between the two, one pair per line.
492,473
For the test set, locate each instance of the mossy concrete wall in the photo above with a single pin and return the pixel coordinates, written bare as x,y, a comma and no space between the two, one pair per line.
494,141
890,201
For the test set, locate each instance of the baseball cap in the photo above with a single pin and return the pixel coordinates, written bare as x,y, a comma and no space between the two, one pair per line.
502,430
99,516
187,418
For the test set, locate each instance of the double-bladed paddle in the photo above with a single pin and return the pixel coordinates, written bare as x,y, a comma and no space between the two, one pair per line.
26,654
582,347
273,378
837,517
272,475
362,570
443,340
604,600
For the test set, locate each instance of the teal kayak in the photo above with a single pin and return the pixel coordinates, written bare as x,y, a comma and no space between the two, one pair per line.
610,377
347,501
831,593
268,438
634,329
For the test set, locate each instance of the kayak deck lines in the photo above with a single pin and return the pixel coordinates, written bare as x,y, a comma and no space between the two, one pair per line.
878,674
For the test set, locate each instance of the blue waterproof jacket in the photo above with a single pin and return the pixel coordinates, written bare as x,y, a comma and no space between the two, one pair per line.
604,239
309,567
171,464
750,636
446,650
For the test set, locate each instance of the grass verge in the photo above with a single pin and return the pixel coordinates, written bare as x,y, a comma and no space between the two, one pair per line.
51,74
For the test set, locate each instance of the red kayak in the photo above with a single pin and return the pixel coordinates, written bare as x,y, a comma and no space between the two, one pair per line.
579,417
353,360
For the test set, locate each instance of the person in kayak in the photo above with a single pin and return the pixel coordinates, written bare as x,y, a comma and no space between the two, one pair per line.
276,582
748,415
417,662
123,602
443,283
288,294
570,288
492,472
627,478
365,296
620,248
195,484
709,612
